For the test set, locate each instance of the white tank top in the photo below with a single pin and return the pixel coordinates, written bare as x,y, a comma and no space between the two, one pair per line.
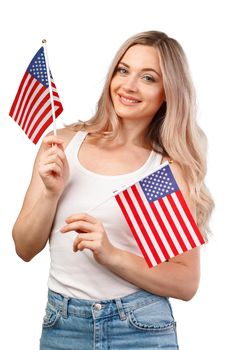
78,274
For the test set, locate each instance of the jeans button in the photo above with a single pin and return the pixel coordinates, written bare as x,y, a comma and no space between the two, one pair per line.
97,307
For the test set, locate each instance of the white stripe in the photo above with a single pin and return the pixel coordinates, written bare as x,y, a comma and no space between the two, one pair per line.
146,224
155,222
39,87
43,121
31,86
186,220
139,233
19,99
177,224
37,116
168,226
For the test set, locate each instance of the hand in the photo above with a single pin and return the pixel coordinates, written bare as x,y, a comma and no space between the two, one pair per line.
91,236
53,165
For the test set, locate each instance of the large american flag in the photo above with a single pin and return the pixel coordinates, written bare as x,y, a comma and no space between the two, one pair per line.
31,108
159,217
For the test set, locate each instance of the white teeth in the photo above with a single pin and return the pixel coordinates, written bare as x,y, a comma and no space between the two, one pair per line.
128,100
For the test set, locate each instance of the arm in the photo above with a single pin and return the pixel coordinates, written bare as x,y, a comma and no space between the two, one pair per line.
178,278
33,225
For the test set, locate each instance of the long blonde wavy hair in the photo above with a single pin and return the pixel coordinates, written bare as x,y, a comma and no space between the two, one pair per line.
173,131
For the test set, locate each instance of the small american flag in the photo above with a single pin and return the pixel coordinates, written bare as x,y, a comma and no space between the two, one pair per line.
159,217
31,108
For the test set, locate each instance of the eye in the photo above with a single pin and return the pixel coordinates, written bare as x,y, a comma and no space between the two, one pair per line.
148,78
122,70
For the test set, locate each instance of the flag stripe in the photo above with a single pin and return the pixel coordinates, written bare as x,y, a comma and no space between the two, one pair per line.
150,223
145,225
170,218
22,99
179,228
32,106
190,217
44,113
58,111
28,86
168,227
40,108
163,227
182,223
118,199
142,227
185,219
156,224
17,99
26,103
43,124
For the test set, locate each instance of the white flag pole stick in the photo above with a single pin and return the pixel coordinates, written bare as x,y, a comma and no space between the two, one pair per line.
50,87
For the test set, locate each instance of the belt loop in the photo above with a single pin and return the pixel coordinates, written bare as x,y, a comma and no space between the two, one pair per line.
65,307
121,311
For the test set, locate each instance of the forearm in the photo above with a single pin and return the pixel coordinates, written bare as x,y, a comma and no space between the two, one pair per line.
170,279
33,226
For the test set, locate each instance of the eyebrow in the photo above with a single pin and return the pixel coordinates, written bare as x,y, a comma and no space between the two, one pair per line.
143,70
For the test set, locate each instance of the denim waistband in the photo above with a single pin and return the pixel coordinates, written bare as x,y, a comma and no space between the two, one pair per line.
101,308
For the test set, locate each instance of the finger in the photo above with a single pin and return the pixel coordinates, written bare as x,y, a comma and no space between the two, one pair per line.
50,140
55,150
53,159
50,168
85,245
86,237
83,217
79,226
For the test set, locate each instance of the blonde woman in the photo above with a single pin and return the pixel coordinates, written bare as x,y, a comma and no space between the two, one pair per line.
102,294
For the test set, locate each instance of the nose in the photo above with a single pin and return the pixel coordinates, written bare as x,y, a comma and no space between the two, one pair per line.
130,84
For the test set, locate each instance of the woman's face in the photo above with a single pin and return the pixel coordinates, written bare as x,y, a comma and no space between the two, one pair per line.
136,88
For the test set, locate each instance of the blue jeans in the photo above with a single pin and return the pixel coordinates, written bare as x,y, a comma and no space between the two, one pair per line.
137,321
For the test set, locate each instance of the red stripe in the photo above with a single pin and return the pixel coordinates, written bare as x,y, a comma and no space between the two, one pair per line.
123,209
141,226
32,104
150,222
17,95
40,117
164,229
23,97
47,123
26,104
181,221
190,217
172,224
38,109
55,94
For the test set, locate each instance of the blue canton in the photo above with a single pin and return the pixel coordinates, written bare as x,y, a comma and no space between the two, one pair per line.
159,184
37,67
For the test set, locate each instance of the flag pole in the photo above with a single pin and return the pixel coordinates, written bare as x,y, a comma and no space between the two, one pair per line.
50,87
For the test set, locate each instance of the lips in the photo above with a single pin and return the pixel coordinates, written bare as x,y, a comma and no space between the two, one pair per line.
128,100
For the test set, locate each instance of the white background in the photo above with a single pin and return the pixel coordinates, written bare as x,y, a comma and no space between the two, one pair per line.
82,39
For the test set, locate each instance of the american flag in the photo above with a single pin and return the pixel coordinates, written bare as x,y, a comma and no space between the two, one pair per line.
159,217
31,108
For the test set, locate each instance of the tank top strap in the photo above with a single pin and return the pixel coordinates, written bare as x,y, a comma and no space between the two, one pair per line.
75,142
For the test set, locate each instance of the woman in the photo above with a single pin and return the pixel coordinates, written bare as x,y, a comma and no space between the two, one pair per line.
102,294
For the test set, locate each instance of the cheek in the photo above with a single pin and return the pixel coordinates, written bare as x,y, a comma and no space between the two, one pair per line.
157,96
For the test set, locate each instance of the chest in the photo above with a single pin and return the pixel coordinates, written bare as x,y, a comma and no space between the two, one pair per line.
110,161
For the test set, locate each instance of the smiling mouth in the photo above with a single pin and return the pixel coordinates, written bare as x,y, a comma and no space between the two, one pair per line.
128,101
